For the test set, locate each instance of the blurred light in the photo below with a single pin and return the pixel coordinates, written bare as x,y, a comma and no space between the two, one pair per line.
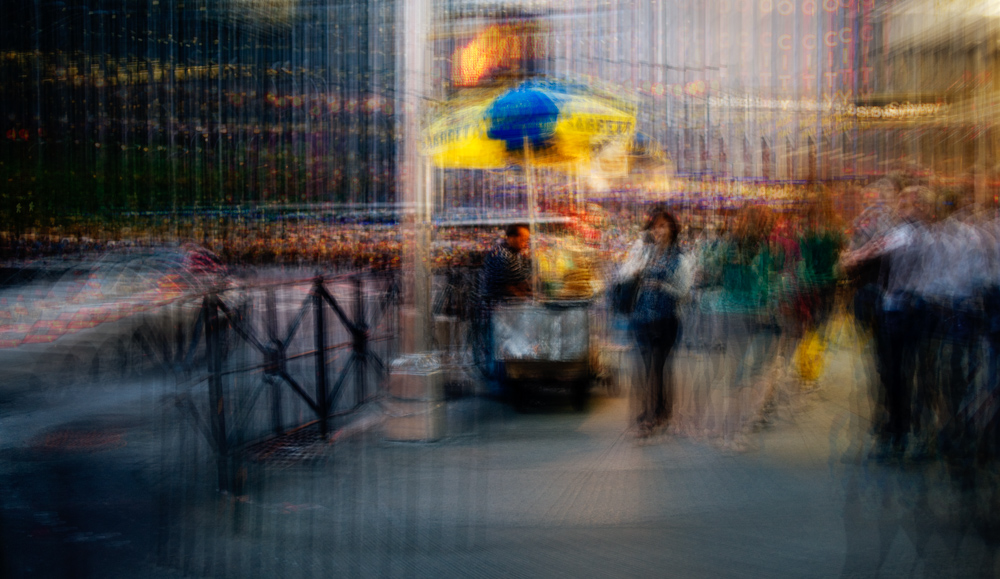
497,47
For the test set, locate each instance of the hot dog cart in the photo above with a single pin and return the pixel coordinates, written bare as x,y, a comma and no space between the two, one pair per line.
546,343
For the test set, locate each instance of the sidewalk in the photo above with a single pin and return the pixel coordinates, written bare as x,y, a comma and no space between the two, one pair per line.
551,493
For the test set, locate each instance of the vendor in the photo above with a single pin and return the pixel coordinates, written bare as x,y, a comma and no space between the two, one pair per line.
506,268
506,274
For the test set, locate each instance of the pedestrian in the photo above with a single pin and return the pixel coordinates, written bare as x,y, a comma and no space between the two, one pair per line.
902,321
747,270
989,416
954,279
821,242
505,275
664,275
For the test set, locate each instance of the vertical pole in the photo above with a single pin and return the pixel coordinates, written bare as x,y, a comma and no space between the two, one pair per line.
180,336
360,341
216,399
275,342
416,18
276,426
320,333
532,214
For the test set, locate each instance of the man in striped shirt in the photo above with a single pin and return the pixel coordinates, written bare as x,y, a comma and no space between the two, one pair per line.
506,274
506,268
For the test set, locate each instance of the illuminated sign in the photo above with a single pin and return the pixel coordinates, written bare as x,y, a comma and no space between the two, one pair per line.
497,47
891,111
897,111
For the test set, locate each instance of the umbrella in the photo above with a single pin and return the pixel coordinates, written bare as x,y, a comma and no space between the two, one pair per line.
537,122
534,123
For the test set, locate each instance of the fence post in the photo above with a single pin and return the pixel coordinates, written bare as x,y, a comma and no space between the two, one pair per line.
320,333
274,342
217,409
180,341
360,341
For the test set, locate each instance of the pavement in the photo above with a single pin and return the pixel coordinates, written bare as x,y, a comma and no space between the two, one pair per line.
108,478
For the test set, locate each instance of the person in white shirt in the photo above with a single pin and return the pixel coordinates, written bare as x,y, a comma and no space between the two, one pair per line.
898,318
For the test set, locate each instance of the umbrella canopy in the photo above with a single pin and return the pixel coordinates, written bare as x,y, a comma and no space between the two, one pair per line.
537,122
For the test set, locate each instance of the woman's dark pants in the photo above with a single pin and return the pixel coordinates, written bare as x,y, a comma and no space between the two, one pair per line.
656,341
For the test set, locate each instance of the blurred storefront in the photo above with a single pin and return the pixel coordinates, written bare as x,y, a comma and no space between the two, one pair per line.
943,55
786,90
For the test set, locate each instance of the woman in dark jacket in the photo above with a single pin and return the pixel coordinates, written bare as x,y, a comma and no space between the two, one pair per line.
665,275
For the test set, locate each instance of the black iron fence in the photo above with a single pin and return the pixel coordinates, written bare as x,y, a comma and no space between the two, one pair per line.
258,362
270,377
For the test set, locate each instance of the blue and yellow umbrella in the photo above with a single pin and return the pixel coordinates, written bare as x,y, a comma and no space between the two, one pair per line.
536,122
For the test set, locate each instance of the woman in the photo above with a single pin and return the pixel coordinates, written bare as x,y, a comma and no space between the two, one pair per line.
745,300
665,278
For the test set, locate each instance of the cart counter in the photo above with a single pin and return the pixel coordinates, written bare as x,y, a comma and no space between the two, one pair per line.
543,341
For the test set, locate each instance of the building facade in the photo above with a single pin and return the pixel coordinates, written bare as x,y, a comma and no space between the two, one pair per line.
175,105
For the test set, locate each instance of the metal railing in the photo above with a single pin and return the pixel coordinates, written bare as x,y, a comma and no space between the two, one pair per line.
255,339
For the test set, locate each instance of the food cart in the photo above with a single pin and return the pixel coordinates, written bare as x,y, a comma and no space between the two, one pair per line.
547,343
537,131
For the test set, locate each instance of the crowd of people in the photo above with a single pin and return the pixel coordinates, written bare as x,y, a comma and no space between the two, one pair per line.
919,271
927,267
741,296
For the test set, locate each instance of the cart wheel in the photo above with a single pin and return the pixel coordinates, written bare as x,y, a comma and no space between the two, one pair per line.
518,392
581,395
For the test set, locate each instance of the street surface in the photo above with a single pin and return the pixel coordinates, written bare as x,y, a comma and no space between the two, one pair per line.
103,476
